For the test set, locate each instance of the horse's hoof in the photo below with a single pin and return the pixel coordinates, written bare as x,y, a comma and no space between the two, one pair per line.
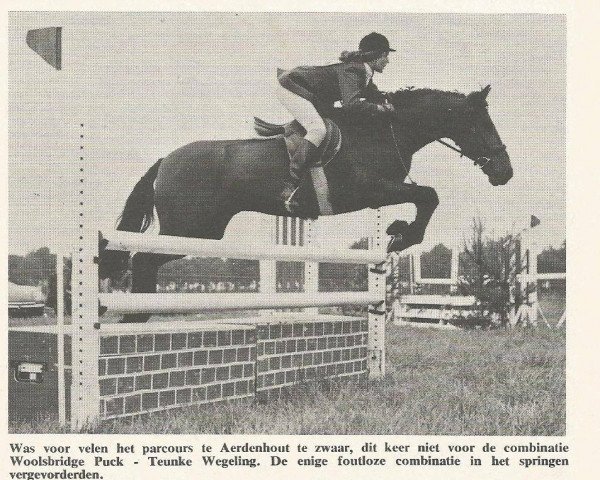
397,227
395,244
400,243
398,247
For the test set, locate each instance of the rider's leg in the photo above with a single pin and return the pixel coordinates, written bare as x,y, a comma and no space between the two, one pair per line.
306,114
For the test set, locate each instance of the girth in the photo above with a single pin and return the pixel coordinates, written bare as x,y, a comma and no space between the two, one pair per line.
293,133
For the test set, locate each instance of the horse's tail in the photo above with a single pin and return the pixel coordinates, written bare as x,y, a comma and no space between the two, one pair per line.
137,216
138,213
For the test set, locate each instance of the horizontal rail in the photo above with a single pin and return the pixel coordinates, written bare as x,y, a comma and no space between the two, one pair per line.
550,276
435,281
532,277
198,302
137,242
441,300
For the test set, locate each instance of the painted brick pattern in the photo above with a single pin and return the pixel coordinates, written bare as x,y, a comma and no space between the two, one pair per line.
290,354
145,372
145,368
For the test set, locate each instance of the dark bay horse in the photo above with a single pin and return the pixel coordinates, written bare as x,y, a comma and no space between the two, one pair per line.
198,188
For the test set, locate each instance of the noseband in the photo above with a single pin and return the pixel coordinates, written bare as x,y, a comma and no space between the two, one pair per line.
482,161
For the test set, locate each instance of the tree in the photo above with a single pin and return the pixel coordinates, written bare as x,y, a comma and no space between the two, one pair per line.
552,260
32,269
437,263
489,270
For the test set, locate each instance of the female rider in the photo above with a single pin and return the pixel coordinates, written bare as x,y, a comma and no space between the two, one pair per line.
306,91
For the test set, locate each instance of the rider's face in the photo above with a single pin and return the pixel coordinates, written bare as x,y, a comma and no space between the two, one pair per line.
380,62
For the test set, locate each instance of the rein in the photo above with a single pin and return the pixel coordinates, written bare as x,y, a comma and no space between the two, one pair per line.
481,162
400,155
451,147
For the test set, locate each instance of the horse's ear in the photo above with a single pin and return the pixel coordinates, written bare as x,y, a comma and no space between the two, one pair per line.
478,97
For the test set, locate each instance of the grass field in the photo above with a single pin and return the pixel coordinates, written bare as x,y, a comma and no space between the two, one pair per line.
501,382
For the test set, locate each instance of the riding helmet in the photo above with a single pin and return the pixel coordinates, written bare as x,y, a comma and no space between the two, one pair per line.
375,42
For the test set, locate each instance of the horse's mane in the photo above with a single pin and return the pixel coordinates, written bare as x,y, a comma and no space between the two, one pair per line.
409,97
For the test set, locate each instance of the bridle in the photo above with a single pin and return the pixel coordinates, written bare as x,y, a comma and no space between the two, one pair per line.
482,161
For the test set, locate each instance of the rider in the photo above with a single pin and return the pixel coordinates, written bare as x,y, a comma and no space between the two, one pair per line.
306,91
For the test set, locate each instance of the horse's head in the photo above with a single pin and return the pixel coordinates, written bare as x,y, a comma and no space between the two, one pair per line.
474,132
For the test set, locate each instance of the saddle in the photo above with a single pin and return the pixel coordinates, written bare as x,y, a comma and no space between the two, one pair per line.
293,133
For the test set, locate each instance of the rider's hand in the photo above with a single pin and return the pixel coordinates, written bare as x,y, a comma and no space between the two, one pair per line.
386,108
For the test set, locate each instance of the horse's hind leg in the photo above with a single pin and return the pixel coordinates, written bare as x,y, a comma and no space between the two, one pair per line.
145,265
144,272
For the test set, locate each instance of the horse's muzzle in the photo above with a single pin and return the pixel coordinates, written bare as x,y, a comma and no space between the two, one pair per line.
499,170
501,179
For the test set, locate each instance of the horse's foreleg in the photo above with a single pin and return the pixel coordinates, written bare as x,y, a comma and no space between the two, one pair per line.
144,273
425,200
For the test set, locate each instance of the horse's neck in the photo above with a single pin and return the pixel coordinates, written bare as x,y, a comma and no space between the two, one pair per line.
422,124
412,138
419,141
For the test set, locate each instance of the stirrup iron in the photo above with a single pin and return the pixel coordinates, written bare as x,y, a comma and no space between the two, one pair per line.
288,202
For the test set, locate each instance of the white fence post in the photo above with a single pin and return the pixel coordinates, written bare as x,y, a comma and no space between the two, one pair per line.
532,281
311,269
454,269
528,311
85,338
377,313
268,268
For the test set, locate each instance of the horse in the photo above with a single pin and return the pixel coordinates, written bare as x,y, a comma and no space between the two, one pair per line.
198,188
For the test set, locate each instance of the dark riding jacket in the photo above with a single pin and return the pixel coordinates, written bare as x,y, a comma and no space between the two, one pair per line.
325,85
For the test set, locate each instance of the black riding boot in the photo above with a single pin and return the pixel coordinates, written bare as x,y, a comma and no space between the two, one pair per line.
302,159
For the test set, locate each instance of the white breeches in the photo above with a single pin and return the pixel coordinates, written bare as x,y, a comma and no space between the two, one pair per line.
306,114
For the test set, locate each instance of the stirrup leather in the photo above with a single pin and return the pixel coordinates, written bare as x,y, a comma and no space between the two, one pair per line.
288,202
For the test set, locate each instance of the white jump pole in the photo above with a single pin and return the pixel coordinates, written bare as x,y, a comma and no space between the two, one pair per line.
377,312
198,302
85,338
127,241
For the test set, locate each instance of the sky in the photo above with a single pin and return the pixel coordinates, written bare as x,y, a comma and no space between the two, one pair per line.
144,84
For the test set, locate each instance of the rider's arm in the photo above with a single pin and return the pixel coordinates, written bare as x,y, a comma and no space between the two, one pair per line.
351,79
373,94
